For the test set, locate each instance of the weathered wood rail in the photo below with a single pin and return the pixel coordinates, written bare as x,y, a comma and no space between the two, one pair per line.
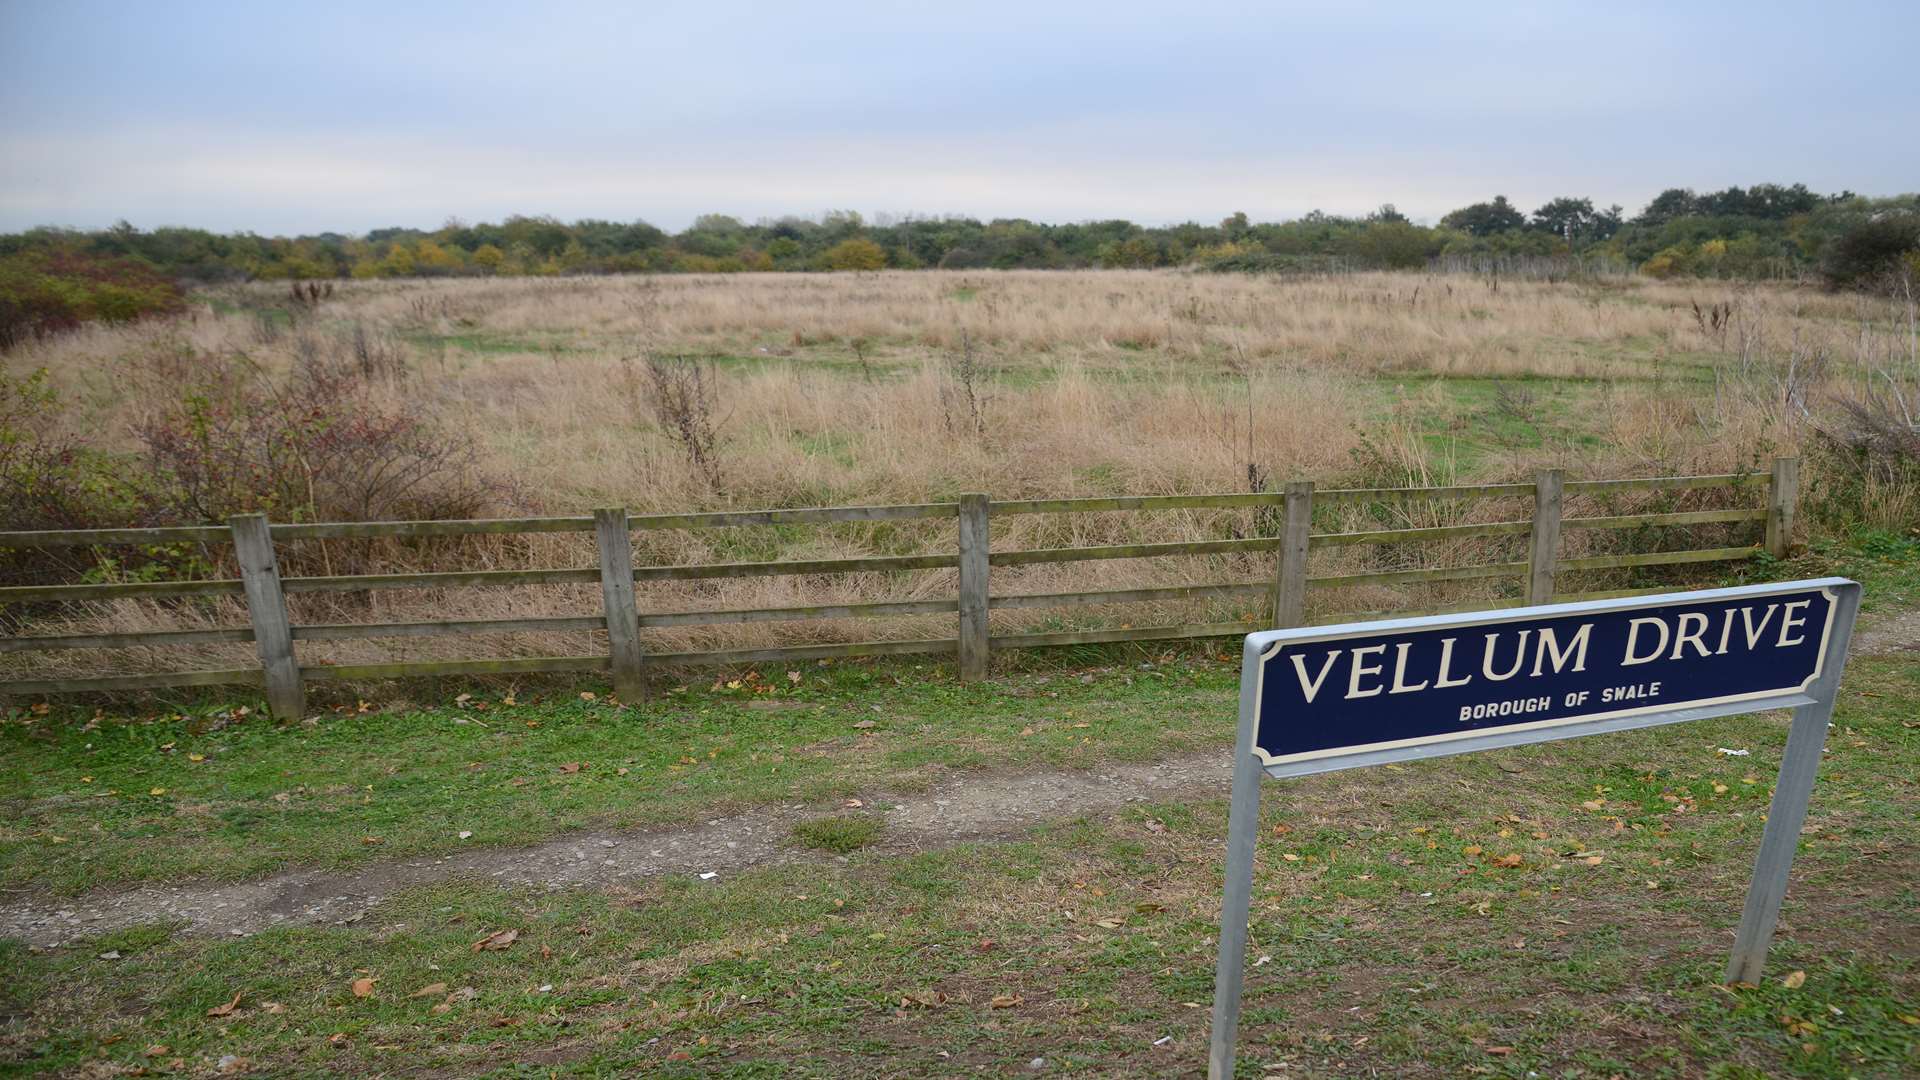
283,679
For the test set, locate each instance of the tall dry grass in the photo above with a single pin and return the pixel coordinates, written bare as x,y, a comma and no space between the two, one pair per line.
863,389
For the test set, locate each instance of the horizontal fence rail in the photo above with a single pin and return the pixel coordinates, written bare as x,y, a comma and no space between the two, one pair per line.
274,634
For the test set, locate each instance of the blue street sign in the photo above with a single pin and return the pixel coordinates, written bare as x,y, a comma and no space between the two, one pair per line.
1370,689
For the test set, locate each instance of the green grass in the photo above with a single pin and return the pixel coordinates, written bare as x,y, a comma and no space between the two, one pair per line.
839,835
1395,943
1561,910
207,792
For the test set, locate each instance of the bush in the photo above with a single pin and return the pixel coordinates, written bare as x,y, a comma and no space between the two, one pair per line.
45,292
319,444
1871,250
854,253
53,480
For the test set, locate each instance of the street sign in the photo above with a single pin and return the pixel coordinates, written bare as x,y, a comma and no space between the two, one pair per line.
1317,699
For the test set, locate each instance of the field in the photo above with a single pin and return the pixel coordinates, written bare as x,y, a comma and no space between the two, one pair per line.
870,869
542,397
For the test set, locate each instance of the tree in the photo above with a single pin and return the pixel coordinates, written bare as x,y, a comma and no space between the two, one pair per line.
1487,218
1566,217
1388,214
1669,204
854,253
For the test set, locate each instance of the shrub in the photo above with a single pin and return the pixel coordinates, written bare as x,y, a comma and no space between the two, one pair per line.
53,480
318,444
45,292
1871,250
854,253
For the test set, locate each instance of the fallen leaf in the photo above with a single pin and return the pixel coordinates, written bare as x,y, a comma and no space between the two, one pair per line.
273,1007
429,990
572,767
233,1063
1023,731
1794,980
156,1050
158,791
228,1008
1503,1051
364,987
196,757
1508,861
1470,850
864,724
496,941
1006,1001
586,695
338,1040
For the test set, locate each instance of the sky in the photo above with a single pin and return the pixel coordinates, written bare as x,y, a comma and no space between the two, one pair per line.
287,118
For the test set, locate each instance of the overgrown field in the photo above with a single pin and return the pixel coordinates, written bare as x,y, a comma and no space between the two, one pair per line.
1552,911
373,400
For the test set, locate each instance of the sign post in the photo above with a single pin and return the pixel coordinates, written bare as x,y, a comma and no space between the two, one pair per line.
1320,699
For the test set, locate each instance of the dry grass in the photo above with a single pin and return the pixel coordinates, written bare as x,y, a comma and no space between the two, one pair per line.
851,389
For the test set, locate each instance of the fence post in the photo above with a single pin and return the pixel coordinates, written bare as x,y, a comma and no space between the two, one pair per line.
1783,499
267,610
1545,548
974,541
1290,582
615,537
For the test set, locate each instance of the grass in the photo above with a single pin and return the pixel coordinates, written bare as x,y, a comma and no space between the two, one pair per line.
1559,910
206,791
1387,937
839,835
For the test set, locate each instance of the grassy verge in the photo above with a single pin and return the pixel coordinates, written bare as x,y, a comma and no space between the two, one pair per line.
93,799
1557,910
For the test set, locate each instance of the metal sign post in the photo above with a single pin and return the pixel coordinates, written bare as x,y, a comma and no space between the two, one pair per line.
1320,699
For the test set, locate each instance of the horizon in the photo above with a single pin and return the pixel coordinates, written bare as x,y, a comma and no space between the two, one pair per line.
235,118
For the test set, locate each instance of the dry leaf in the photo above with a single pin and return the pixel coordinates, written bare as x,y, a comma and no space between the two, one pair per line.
364,987
273,1007
338,1040
572,767
1006,1001
496,941
228,1008
1794,980
156,1050
1508,861
429,990
864,724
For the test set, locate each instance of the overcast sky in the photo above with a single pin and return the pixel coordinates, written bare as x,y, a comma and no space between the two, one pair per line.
284,117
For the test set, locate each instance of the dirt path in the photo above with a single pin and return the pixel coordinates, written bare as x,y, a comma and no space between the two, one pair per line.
962,809
958,810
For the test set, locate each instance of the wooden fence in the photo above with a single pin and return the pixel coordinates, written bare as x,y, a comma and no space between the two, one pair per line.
283,677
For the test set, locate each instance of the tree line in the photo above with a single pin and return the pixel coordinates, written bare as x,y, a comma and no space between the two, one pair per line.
1768,230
